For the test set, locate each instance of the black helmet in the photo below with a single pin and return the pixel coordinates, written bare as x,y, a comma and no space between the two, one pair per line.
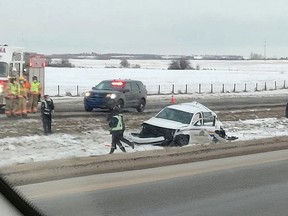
34,78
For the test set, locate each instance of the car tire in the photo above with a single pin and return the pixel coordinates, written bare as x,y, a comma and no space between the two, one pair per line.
182,140
88,109
141,106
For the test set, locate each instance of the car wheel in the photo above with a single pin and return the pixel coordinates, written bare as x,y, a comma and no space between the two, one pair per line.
88,109
141,106
120,104
181,140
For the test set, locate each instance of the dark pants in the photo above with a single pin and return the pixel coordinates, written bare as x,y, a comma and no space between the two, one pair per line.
47,119
125,140
116,141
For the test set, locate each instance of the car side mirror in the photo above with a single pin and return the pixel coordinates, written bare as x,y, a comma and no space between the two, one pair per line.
93,88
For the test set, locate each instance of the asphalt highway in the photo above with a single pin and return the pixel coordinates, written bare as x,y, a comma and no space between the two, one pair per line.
244,185
76,104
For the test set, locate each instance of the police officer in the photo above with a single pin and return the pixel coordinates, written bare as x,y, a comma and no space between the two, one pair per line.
116,130
116,111
47,107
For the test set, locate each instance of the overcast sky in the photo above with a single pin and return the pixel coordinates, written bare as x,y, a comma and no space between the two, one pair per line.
147,26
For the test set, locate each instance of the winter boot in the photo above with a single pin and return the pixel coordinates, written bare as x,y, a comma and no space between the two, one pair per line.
122,149
111,151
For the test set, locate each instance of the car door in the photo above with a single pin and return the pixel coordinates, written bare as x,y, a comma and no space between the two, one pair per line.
128,95
136,93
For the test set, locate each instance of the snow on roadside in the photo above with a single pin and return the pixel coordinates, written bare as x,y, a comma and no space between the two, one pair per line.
97,142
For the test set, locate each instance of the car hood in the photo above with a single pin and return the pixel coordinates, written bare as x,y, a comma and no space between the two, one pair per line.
164,123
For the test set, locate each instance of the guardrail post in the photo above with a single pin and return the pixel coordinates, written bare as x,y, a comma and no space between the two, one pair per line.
275,85
223,88
245,87
256,88
265,86
234,89
211,88
58,90
199,89
159,89
173,87
186,89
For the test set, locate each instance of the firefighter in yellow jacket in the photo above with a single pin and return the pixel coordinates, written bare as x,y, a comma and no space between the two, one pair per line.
34,94
10,97
22,98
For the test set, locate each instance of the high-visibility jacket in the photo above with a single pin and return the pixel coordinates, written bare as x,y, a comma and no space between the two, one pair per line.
27,86
35,88
22,91
10,90
119,125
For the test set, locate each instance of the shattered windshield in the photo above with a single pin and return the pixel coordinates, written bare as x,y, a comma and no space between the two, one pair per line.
175,115
3,69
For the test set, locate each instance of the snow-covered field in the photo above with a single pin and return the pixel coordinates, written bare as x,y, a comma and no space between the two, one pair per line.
96,142
240,75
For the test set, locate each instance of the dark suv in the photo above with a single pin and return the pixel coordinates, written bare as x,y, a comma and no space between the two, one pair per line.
109,93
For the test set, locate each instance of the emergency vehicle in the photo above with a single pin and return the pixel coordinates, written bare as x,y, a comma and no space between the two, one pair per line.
14,62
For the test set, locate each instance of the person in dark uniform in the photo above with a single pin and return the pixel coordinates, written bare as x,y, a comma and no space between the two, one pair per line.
116,125
116,112
47,107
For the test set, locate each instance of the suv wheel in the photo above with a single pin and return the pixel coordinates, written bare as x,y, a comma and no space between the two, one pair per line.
142,105
88,109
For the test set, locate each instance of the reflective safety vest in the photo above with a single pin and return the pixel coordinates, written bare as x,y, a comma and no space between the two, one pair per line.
119,125
11,90
35,87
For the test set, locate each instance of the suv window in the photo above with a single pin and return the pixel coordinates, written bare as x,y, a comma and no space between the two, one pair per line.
128,86
135,87
140,84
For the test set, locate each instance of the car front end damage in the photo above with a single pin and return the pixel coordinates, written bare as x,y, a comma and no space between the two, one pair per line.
155,135
182,124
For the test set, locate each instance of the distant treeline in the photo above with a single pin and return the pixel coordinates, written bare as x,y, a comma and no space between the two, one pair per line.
122,56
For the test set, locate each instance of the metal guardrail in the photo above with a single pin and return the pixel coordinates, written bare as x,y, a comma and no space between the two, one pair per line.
64,90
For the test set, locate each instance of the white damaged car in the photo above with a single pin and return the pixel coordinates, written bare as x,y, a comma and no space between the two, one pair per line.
181,124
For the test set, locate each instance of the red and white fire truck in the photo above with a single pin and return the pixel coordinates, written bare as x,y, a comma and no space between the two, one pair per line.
14,62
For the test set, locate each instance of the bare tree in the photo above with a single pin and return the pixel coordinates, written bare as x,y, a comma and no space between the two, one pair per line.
181,64
124,63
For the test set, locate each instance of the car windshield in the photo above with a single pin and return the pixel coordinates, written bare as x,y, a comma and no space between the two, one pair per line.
3,69
175,115
108,85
